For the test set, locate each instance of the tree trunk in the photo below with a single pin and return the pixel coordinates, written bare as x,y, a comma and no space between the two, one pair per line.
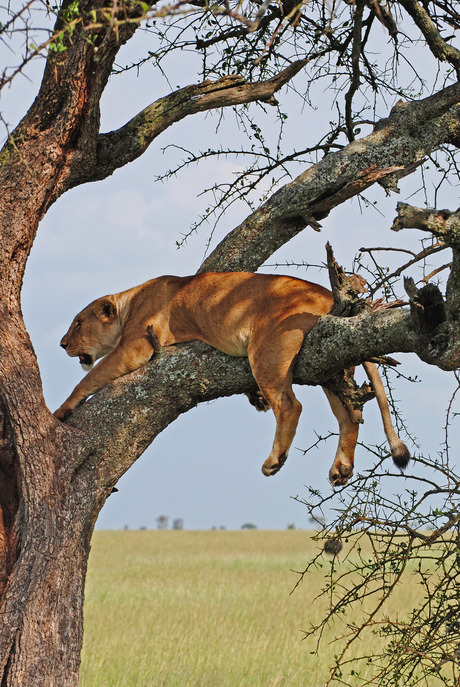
47,512
43,602
46,520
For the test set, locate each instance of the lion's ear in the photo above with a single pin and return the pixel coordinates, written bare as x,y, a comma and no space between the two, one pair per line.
106,310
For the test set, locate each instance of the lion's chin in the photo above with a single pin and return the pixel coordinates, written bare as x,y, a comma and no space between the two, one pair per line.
86,361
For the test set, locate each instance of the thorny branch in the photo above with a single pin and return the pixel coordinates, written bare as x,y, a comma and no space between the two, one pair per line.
388,541
419,257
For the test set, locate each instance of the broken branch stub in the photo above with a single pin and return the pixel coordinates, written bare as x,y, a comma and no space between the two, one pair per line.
346,289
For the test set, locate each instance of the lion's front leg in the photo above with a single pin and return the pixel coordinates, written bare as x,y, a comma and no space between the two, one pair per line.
127,357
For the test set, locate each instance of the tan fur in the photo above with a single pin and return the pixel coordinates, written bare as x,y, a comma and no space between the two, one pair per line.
263,317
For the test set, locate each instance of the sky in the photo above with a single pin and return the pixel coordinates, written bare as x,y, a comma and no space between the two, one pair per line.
104,237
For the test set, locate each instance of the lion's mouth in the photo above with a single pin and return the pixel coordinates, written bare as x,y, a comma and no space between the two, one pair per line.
86,361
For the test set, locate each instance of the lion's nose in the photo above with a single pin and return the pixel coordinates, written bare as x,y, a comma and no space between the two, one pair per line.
63,345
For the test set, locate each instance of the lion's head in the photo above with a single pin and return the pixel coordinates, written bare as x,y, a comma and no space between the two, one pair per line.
94,332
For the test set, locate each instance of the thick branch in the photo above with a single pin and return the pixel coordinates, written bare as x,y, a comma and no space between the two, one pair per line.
411,131
141,405
119,147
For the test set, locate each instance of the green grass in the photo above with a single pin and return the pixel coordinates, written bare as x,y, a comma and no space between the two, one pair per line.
204,609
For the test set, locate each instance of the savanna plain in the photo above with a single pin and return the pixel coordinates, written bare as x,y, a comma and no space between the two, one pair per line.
209,609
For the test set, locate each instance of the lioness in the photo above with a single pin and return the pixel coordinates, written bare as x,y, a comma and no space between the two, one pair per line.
261,316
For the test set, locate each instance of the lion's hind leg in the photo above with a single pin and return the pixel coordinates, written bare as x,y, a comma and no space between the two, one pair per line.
342,467
286,409
271,364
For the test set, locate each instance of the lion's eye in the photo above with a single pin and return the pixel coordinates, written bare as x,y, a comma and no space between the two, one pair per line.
77,323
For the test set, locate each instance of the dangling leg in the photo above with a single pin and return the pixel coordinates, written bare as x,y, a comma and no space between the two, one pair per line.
271,364
342,467
286,409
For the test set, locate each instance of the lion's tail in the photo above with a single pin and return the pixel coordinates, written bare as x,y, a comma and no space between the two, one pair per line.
399,450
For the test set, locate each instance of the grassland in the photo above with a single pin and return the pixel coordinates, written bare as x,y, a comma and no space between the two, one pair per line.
203,609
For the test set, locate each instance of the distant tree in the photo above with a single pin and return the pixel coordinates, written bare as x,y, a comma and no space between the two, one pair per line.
163,522
178,524
55,476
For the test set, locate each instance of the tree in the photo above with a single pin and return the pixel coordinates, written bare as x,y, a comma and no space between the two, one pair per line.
56,476
162,522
